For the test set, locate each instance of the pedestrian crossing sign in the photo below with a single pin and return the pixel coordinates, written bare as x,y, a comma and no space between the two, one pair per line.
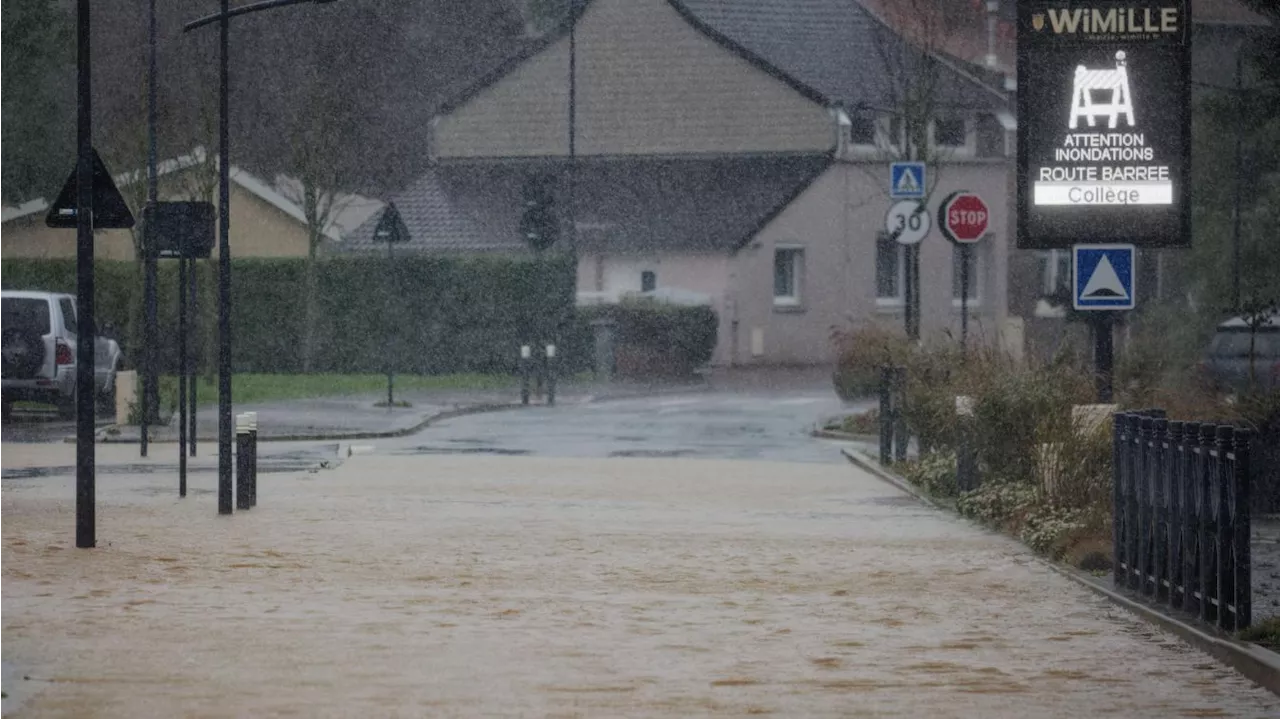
906,180
1104,277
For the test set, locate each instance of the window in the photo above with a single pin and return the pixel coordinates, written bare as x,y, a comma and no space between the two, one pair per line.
950,132
893,132
889,269
27,313
648,281
788,265
862,131
975,275
1055,271
68,315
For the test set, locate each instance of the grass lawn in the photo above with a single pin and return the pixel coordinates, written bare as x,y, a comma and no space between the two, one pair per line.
251,388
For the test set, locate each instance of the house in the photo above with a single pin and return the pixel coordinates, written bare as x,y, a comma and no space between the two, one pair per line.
731,153
266,220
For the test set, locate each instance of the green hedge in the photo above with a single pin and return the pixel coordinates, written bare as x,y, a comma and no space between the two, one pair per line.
448,314
684,334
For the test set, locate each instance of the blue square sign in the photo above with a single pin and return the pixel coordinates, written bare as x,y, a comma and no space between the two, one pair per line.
1104,277
906,180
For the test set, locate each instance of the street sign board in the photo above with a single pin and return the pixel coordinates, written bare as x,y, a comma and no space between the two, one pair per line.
907,222
110,212
906,180
1103,277
391,227
1104,123
180,229
963,217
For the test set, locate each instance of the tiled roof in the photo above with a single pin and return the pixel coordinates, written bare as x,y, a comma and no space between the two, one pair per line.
640,204
836,47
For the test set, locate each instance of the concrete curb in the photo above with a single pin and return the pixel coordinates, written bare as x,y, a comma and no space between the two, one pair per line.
846,436
339,436
1258,663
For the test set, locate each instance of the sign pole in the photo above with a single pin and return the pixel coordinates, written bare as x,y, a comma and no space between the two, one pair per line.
964,298
182,376
391,268
194,346
1103,355
85,449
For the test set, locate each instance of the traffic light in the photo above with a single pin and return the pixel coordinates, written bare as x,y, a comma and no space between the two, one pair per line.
539,223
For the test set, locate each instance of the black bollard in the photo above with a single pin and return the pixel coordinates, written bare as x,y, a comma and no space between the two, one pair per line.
886,415
242,462
253,458
526,359
551,375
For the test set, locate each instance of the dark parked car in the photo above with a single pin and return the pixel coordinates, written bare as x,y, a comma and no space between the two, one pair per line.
1228,362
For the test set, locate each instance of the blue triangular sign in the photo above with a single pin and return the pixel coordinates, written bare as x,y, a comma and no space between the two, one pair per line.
110,211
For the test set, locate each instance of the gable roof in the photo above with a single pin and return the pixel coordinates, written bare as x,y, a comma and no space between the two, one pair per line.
349,211
639,204
827,50
836,47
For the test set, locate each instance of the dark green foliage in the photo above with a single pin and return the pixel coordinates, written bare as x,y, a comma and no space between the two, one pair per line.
446,314
686,334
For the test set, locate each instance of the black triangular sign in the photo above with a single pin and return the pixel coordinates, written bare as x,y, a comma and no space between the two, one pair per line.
109,209
390,227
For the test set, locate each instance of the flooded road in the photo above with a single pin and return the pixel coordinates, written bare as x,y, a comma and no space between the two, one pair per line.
440,585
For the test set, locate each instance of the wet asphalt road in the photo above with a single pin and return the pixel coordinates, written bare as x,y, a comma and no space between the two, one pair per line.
755,426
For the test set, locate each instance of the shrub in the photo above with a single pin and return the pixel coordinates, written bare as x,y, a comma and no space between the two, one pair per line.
860,355
935,473
658,337
1000,504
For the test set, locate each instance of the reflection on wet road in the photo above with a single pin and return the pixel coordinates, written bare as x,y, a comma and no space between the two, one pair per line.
709,426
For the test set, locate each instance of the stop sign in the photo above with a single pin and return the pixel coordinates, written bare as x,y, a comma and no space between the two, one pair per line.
963,217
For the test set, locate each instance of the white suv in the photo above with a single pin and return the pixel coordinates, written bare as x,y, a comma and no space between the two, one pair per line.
38,338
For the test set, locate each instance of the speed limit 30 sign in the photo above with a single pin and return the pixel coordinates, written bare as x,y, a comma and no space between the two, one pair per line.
963,217
908,222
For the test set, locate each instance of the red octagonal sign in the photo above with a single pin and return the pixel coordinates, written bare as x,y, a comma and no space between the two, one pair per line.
963,217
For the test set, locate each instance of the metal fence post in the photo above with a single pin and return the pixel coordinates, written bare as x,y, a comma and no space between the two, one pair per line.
1160,509
1192,477
1208,530
1243,529
1119,433
1174,465
1143,486
1224,557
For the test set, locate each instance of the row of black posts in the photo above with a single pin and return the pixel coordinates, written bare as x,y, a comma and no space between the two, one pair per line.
531,369
1181,515
247,460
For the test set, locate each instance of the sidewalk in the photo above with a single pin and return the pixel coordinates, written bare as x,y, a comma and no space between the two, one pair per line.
501,586
356,416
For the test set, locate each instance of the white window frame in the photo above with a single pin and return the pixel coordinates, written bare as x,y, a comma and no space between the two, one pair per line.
1053,270
796,298
977,278
899,299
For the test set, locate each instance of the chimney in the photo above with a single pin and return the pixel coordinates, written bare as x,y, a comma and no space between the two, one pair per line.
993,7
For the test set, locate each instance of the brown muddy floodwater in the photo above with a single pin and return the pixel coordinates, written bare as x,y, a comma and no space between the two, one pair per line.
465,586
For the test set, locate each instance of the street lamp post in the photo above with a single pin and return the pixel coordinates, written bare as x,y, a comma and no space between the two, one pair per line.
225,427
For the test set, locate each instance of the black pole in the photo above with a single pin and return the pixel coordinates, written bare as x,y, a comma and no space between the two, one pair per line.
1235,236
225,428
194,347
1103,355
85,450
391,267
911,299
182,375
149,394
964,297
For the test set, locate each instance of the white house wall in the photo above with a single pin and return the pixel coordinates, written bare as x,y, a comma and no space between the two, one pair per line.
836,221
